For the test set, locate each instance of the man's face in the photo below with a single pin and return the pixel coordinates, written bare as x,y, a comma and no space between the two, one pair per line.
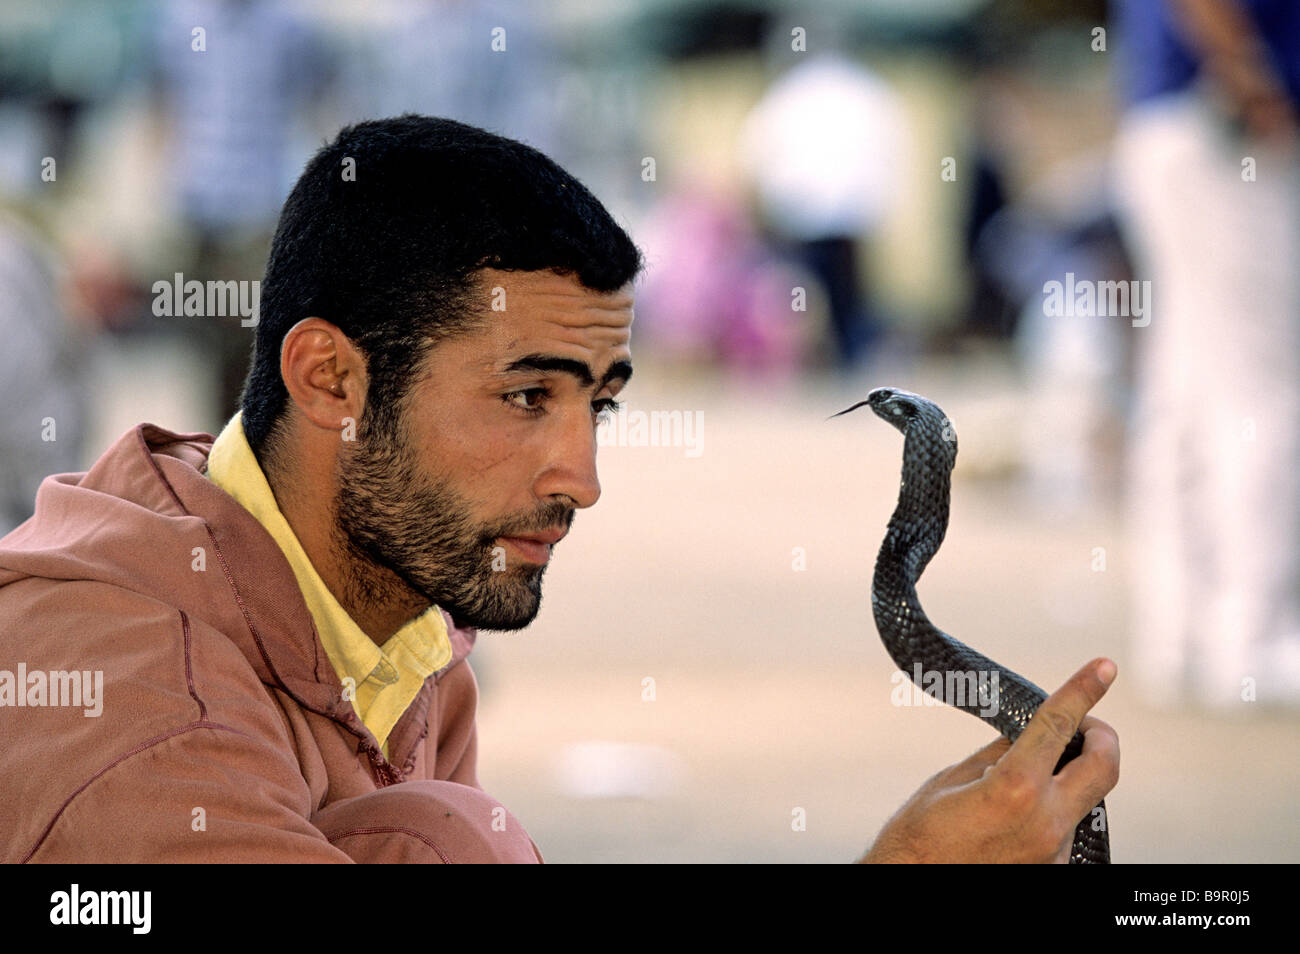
496,441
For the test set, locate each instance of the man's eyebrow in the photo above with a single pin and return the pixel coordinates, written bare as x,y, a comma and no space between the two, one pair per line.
551,363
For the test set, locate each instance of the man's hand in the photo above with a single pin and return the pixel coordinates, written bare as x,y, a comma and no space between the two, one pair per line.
1003,804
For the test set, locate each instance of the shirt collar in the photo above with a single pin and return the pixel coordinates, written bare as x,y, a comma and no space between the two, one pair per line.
422,643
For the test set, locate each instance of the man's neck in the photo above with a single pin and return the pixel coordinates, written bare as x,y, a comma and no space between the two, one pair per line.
378,600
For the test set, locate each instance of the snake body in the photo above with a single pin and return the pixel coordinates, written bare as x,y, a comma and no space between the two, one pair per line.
954,673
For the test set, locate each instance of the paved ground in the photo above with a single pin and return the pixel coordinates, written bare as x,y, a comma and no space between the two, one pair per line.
771,692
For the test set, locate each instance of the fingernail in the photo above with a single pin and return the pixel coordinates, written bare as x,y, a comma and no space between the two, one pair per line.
1106,672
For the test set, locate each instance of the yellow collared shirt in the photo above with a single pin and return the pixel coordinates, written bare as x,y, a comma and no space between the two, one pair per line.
381,681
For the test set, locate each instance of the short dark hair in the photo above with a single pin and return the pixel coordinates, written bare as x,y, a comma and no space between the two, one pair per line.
386,247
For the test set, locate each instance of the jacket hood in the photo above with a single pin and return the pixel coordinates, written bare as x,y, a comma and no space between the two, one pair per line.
145,518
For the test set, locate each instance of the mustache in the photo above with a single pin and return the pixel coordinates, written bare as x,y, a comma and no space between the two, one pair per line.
550,517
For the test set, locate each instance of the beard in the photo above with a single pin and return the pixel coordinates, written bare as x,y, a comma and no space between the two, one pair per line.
390,515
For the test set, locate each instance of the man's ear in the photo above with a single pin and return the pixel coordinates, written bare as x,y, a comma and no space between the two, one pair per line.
324,373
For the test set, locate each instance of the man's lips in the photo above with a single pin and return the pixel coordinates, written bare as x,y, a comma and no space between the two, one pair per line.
536,547
549,536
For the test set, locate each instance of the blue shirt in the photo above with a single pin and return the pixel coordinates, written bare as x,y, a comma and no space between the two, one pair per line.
1155,59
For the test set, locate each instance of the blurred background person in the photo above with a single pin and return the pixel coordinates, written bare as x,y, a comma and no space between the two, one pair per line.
41,364
824,148
1209,174
233,78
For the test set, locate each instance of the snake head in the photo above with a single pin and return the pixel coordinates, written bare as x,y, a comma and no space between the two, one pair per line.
910,412
894,405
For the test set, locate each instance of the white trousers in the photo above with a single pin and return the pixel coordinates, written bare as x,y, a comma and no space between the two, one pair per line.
1214,473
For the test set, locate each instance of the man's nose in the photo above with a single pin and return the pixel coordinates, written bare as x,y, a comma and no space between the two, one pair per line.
571,469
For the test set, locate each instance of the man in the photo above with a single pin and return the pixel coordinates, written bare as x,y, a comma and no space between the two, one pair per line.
281,617
1208,180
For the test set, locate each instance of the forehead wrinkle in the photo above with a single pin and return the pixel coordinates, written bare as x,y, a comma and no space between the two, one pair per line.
586,316
566,294
591,340
585,337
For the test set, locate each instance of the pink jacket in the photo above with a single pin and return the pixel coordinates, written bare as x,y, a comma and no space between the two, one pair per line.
223,733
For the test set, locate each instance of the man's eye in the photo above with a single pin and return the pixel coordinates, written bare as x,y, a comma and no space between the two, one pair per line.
606,406
528,400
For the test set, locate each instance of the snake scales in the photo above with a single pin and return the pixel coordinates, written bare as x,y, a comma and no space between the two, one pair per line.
998,696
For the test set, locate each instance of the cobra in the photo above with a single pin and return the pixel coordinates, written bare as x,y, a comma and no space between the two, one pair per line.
916,529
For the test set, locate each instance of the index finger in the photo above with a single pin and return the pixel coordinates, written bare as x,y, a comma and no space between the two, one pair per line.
1057,720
